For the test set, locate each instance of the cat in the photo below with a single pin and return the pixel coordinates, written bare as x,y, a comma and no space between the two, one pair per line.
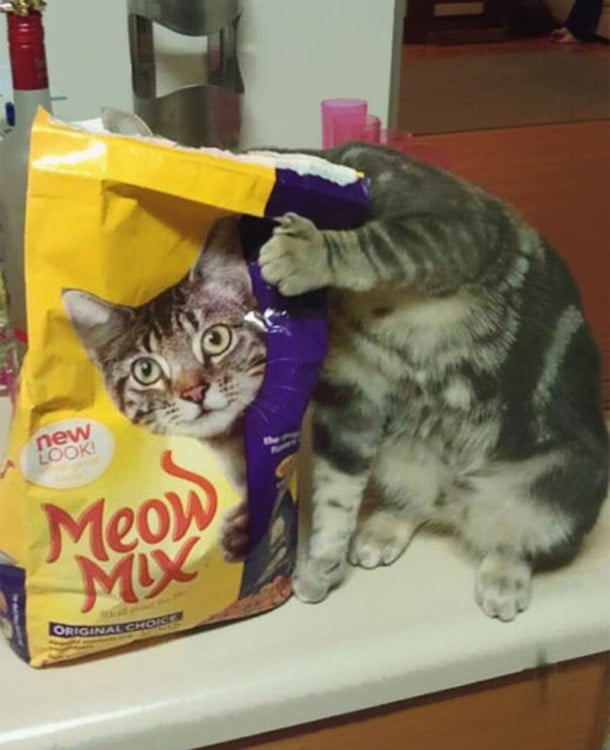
188,362
462,388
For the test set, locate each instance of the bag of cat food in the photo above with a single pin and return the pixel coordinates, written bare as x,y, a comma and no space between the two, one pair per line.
147,487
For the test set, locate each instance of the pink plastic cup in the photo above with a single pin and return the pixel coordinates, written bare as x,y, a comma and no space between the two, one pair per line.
372,129
342,120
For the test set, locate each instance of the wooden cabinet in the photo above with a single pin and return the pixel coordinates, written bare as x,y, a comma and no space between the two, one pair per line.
456,21
561,707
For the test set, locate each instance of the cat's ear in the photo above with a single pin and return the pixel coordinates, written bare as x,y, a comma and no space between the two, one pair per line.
224,235
221,253
95,321
124,123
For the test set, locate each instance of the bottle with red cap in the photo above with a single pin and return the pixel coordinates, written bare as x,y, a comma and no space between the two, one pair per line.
30,91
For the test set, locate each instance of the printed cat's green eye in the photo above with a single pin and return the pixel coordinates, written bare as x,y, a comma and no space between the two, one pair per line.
146,371
216,340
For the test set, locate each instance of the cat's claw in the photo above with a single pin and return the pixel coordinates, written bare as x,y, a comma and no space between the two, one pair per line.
313,579
294,259
293,224
503,586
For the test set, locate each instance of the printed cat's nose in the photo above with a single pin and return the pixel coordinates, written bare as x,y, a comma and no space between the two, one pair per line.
194,394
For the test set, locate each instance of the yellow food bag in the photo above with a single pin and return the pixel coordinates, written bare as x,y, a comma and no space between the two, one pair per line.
147,484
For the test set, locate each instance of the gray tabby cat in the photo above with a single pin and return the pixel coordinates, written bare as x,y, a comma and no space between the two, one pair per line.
461,388
188,362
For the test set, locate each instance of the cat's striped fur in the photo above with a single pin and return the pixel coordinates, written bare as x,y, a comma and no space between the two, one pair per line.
462,385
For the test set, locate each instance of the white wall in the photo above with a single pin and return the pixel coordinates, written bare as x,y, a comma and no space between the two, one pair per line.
292,53
87,55
296,52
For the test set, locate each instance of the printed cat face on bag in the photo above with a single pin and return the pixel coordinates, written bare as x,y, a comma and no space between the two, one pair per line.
190,361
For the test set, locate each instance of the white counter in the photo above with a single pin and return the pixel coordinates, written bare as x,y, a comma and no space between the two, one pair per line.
385,635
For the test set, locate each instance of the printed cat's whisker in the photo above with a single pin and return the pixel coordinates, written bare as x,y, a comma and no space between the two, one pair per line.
270,406
282,387
258,412
280,360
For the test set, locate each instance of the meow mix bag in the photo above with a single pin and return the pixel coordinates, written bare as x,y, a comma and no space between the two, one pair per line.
147,483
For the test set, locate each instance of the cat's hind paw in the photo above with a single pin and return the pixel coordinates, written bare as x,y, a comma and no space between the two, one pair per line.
503,586
294,259
313,579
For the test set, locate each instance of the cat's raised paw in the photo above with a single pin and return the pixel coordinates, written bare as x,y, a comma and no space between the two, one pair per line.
295,225
313,579
294,258
503,586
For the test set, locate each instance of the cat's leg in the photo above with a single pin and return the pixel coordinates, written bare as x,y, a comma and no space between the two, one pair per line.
346,432
503,526
407,485
503,583
527,514
336,501
386,250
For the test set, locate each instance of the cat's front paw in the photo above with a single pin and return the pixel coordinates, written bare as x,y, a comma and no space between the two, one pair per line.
380,540
313,579
294,259
503,586
234,538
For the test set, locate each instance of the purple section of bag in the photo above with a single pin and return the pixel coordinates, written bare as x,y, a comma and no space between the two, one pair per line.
327,204
12,608
296,341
